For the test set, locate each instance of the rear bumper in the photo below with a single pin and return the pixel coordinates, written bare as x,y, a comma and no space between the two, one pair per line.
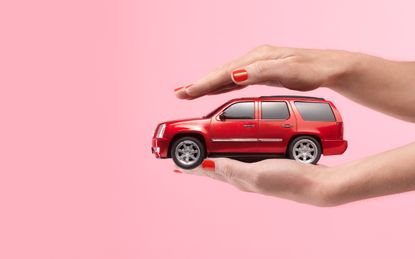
159,147
334,147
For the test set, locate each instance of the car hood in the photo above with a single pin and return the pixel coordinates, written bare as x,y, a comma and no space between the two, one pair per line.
185,120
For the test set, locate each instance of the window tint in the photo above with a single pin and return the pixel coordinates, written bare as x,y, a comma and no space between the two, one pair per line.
243,110
274,111
315,111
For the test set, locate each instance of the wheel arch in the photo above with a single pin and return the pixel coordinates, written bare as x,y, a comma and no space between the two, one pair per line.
197,135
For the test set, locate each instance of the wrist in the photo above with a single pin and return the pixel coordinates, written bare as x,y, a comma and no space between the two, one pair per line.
346,67
328,188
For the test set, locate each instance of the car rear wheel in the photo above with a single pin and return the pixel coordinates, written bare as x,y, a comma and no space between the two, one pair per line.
188,152
305,149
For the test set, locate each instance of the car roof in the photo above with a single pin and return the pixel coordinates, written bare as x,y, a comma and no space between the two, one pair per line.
292,97
285,97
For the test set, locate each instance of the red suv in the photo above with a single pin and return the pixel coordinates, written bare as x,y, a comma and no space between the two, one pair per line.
297,127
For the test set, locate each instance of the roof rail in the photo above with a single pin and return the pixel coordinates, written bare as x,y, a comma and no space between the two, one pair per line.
292,96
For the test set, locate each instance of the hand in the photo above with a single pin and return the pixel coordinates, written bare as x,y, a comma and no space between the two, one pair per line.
386,86
296,69
382,174
283,178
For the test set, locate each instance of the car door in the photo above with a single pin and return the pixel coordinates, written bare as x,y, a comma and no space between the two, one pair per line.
276,126
235,129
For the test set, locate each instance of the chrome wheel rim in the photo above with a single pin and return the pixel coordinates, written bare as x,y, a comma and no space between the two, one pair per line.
305,151
187,152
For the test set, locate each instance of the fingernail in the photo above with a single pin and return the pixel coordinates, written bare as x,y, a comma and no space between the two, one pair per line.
187,86
177,89
177,171
208,165
240,75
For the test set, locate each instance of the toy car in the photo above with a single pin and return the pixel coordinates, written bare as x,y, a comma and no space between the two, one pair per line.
298,127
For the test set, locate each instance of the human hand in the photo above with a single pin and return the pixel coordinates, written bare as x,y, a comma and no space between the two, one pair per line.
381,174
296,69
282,178
384,85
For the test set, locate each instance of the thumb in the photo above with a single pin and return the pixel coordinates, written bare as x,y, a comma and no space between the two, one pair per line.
258,72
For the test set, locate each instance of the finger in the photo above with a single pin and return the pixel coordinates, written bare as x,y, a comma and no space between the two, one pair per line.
269,71
200,172
223,169
181,93
222,76
234,172
227,89
194,171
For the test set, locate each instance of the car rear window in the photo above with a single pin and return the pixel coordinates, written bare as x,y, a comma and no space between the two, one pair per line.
313,111
274,111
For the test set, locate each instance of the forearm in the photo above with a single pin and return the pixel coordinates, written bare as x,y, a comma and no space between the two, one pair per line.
386,86
382,174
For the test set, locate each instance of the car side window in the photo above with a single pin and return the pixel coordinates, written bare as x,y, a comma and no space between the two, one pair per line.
274,111
312,111
240,111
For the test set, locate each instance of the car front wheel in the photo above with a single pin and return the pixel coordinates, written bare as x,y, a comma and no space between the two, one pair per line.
305,149
188,152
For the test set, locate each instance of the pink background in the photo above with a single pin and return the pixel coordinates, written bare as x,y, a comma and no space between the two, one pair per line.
83,85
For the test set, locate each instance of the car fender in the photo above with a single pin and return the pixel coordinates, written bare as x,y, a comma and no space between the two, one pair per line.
200,128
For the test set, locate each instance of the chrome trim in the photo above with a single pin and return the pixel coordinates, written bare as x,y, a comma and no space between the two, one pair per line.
234,140
270,139
247,140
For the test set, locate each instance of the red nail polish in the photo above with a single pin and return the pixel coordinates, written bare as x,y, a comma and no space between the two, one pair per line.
208,164
187,86
177,89
240,75
177,171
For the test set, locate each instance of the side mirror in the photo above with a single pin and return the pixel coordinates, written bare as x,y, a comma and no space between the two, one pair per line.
222,117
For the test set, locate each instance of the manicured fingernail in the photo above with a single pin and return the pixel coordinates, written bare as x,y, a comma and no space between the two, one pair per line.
177,171
208,165
182,87
240,75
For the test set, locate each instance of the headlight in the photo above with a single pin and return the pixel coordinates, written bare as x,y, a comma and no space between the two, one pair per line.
161,130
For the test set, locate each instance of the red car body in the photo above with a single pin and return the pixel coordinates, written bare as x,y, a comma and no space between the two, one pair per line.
256,136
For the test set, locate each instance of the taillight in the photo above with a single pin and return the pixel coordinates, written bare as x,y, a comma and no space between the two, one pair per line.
340,130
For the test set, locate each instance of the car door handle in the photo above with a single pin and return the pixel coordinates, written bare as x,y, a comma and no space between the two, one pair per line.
287,125
249,125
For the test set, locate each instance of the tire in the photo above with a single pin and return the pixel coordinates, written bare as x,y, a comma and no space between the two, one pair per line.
188,152
305,149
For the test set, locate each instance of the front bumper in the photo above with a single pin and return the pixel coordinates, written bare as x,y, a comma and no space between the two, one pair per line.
334,147
159,147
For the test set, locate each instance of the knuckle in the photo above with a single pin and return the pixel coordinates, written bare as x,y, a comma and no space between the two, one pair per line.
264,48
259,68
261,50
225,68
